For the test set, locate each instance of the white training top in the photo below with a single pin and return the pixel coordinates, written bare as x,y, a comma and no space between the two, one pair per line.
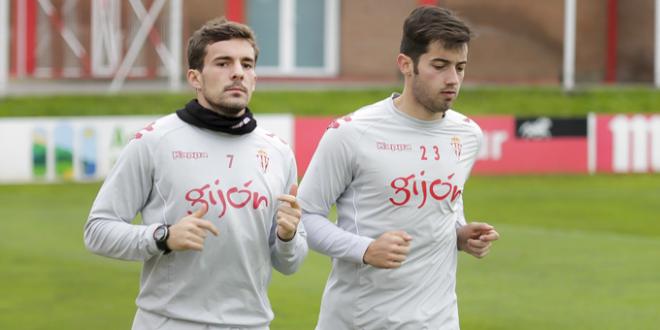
168,171
388,171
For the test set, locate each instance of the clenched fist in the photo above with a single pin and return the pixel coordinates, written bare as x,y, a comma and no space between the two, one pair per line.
288,215
389,250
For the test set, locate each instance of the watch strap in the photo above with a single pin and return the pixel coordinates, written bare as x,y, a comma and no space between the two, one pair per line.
161,244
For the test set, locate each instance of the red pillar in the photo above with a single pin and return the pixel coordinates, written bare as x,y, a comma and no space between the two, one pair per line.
31,37
235,10
427,2
13,58
26,64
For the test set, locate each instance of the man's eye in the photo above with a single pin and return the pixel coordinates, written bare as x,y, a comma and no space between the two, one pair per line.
247,65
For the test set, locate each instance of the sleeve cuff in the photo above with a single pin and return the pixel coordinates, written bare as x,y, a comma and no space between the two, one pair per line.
360,248
148,237
285,246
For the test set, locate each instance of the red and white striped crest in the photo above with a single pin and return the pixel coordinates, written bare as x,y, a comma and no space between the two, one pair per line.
263,160
457,146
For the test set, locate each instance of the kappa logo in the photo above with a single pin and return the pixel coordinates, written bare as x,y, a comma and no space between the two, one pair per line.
456,145
263,160
393,146
178,154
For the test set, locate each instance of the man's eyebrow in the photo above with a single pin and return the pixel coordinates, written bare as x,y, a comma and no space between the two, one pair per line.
446,61
440,59
229,58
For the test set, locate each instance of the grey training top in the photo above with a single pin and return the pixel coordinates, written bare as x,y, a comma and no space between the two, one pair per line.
388,171
168,171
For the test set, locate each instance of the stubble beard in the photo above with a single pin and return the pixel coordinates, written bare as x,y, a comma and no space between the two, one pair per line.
432,102
227,107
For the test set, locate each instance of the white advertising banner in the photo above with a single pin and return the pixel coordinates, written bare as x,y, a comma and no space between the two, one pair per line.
55,149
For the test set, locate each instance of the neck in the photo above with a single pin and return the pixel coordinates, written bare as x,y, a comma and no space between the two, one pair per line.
408,104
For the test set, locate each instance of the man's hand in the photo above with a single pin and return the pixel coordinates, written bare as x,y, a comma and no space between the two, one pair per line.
476,238
189,233
389,250
288,215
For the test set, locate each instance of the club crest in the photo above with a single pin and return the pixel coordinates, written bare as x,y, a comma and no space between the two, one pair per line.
263,160
456,145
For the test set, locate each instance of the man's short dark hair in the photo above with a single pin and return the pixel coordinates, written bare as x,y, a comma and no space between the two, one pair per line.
219,29
427,24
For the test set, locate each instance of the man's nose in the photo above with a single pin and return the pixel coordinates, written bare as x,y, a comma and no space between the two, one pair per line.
237,72
452,77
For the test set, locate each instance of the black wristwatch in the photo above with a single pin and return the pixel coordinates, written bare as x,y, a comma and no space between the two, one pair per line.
161,234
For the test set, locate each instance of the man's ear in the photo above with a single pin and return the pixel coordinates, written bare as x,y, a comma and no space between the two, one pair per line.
194,78
405,64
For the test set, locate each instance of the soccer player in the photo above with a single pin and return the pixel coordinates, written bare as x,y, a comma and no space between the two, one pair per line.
217,195
396,170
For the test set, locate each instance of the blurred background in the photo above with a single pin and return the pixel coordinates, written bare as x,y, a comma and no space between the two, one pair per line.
566,92
518,42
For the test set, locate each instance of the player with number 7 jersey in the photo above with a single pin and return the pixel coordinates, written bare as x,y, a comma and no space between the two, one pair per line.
217,195
175,169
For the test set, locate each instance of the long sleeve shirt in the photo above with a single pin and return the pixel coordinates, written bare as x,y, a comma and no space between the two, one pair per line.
169,170
387,171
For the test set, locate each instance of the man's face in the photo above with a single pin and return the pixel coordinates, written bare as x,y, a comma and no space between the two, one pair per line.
439,75
228,79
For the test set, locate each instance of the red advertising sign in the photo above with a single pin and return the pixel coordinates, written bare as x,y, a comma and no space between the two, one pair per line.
505,150
627,143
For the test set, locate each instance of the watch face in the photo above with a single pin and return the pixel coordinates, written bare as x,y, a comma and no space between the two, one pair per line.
160,233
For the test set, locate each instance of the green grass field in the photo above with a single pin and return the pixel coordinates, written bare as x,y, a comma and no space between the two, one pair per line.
577,252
